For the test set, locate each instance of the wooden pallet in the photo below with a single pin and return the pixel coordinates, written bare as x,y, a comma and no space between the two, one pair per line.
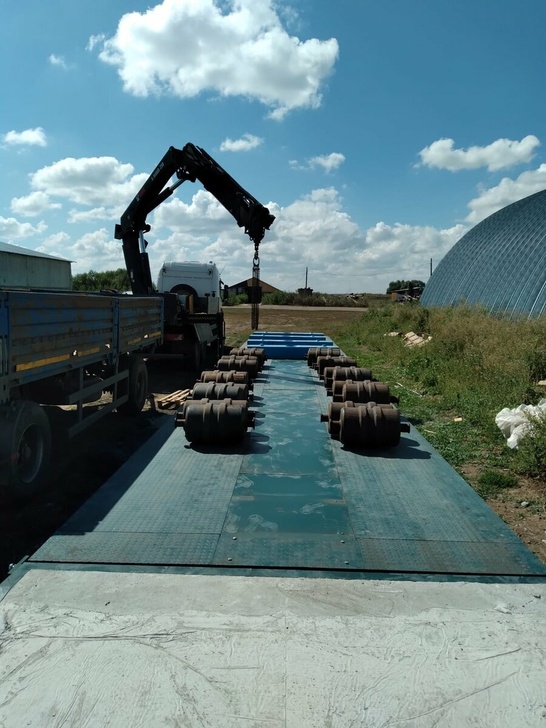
173,400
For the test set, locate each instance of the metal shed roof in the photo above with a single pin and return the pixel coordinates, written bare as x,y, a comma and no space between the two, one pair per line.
17,250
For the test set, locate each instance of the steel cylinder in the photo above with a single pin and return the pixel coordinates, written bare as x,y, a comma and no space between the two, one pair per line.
327,376
353,374
220,422
248,364
314,353
333,416
225,376
333,361
370,426
214,390
244,351
367,391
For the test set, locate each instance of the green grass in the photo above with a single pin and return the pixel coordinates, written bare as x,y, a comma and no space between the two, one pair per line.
491,482
452,387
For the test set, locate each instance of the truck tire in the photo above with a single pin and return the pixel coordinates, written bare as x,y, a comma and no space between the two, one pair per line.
135,386
25,449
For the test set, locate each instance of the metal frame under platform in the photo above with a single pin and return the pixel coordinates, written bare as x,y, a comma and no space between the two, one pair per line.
290,498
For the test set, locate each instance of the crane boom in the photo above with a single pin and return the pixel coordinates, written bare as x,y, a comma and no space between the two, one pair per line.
190,163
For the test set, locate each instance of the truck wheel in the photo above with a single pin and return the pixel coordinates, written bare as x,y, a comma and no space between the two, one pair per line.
135,386
25,449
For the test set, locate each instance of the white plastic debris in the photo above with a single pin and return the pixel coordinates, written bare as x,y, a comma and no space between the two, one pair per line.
516,423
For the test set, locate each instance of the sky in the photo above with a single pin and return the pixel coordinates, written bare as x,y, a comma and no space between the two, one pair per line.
377,132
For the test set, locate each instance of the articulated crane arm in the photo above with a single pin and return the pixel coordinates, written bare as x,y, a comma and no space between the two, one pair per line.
190,163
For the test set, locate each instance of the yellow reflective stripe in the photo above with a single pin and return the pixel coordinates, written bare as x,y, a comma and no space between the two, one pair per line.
155,335
54,359
41,362
87,352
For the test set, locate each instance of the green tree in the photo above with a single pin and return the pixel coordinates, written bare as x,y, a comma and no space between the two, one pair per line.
110,280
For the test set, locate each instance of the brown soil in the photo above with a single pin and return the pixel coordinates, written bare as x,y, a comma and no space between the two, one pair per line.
83,464
523,508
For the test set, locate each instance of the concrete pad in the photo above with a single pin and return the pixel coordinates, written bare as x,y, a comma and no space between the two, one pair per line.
91,648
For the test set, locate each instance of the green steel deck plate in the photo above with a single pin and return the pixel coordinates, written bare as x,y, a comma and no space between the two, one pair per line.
338,552
155,548
447,557
289,497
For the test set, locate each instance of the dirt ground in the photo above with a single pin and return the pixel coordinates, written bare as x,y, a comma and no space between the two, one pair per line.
83,464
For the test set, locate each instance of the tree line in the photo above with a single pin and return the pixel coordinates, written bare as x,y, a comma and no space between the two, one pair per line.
118,280
108,280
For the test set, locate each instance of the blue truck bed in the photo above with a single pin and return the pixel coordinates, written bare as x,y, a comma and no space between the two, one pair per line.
46,334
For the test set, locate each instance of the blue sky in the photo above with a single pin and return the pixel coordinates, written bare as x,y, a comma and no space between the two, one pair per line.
377,132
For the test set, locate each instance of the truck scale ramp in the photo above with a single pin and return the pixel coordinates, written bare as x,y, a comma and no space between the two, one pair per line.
286,582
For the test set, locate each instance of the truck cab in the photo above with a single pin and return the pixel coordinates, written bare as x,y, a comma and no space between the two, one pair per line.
196,284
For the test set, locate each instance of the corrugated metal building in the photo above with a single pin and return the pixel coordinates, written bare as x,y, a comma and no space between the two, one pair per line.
499,264
25,268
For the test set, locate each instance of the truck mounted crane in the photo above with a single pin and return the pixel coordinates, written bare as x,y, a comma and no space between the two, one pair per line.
189,331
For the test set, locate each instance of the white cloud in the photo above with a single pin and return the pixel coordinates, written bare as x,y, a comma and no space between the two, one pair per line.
328,162
231,48
29,137
11,229
34,204
507,191
243,144
55,244
500,154
95,250
204,215
94,181
95,40
97,213
407,248
57,61
313,232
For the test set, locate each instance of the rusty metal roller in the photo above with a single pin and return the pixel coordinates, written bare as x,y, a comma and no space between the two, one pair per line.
371,425
333,361
243,351
364,392
224,377
219,422
215,390
352,374
248,364
333,415
313,354
328,375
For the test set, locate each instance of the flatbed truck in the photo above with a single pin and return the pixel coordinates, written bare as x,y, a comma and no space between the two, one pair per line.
66,348
286,580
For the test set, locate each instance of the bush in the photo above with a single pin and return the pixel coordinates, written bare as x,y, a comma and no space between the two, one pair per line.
288,298
235,300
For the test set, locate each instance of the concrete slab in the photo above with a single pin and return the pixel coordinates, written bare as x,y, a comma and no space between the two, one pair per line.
126,649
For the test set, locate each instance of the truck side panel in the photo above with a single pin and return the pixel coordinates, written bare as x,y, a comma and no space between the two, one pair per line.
49,334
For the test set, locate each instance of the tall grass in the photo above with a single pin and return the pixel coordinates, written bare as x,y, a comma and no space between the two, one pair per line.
473,366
